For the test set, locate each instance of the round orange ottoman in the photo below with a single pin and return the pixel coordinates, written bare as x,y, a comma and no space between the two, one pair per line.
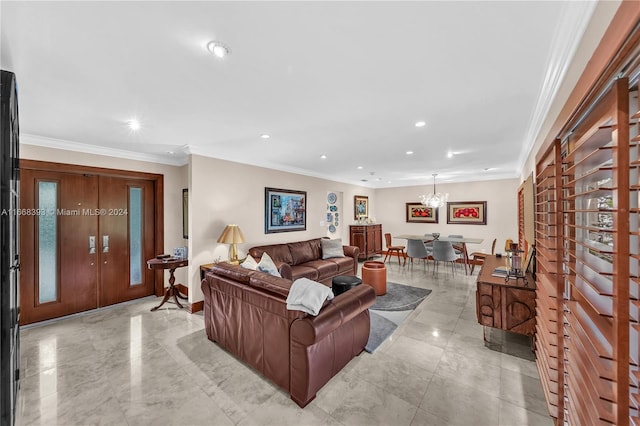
374,273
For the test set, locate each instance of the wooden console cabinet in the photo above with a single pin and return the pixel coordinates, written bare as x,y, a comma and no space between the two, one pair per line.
368,238
508,305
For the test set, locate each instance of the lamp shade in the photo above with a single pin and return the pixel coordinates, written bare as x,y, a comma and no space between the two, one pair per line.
231,235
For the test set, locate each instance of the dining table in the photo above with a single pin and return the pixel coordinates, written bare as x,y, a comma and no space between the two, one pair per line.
462,241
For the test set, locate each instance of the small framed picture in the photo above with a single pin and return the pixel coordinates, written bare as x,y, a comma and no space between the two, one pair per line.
360,207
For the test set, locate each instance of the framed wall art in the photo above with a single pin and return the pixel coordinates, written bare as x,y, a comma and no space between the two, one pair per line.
467,212
360,207
419,213
185,213
285,210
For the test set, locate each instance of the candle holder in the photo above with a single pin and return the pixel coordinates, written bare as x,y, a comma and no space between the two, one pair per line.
514,261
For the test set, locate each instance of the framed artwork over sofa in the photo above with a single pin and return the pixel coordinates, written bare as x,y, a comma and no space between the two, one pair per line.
285,210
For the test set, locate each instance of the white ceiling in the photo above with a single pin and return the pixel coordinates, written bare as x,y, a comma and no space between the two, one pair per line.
343,79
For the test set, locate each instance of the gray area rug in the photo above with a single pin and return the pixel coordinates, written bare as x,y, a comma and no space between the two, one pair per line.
390,310
400,297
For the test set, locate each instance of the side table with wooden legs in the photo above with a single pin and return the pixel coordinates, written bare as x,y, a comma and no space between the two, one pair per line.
171,264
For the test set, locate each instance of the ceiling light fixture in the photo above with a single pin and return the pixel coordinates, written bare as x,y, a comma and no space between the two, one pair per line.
409,152
324,157
421,123
450,154
265,136
134,124
360,167
436,199
218,49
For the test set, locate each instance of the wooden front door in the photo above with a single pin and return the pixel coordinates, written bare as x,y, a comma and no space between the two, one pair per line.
84,242
126,239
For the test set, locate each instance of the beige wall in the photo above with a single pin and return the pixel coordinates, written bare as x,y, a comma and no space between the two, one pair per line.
223,192
175,178
502,211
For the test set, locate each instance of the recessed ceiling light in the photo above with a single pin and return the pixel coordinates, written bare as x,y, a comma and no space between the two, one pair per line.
420,123
323,157
360,167
450,154
218,49
409,152
134,124
265,136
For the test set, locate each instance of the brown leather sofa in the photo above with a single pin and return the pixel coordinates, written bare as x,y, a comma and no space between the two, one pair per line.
303,259
245,312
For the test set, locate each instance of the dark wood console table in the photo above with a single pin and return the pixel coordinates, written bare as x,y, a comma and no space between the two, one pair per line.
507,305
171,264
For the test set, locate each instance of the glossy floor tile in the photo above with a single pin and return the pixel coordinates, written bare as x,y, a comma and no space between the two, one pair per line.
125,365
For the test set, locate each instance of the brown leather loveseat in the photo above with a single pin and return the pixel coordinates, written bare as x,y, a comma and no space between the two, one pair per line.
303,259
245,312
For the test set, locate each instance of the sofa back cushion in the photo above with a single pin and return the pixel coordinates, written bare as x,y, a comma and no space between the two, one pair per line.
277,252
304,251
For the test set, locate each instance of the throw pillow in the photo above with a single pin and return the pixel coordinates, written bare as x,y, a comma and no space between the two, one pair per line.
267,265
332,248
250,263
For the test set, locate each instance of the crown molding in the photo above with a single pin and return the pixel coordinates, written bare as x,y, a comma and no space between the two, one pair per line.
28,139
567,37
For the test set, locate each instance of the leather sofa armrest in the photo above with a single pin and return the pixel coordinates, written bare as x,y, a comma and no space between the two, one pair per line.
351,251
285,270
354,252
341,309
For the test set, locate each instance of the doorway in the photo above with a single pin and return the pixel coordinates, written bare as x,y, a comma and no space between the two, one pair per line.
86,234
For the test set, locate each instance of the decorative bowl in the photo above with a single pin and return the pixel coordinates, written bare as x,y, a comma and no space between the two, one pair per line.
436,235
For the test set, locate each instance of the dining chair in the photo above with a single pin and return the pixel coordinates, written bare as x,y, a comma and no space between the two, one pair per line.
399,250
460,250
478,255
416,249
443,251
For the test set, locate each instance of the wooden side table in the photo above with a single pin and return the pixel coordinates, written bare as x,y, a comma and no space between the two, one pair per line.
171,264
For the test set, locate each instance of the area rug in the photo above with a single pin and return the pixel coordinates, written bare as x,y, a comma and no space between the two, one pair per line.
390,310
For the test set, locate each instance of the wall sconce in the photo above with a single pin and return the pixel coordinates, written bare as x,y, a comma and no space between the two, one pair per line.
232,235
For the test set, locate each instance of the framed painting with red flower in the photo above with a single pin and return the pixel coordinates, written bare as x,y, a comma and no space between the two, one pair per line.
420,213
467,212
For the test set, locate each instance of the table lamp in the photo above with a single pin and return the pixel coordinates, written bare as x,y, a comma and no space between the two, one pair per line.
232,235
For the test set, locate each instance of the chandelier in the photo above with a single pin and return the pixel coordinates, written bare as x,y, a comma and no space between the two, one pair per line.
436,199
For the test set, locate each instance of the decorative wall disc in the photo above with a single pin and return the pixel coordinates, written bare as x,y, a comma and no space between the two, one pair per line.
332,198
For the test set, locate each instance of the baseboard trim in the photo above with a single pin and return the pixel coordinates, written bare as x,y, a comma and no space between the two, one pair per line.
183,289
195,307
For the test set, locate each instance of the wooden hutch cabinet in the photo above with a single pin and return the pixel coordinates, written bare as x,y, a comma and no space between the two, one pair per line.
368,238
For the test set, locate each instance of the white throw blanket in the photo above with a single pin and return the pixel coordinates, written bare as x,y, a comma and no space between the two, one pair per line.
308,296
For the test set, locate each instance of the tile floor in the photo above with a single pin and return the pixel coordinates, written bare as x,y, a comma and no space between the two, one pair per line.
126,365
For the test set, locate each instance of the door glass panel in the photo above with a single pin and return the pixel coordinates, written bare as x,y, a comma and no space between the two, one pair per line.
135,236
47,242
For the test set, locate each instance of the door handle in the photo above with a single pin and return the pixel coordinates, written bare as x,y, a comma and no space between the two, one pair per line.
92,244
105,244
